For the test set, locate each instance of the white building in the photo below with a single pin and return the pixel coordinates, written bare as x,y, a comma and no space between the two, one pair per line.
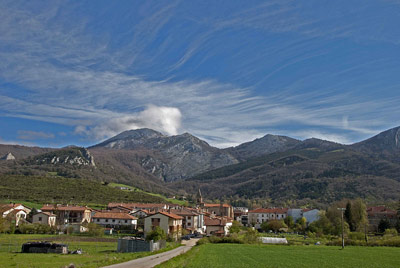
257,216
45,218
115,220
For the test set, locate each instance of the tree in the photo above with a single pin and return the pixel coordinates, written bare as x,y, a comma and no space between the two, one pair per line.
301,224
348,216
95,230
383,225
156,234
289,221
359,215
235,227
273,225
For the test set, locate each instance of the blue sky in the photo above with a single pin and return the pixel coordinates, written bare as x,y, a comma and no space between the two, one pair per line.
77,72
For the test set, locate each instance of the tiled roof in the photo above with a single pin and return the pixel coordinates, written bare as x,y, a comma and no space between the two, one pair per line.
183,212
113,215
270,210
48,208
136,205
170,215
214,221
5,207
216,205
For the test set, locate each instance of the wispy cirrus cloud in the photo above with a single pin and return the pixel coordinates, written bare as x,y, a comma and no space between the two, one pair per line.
34,135
102,84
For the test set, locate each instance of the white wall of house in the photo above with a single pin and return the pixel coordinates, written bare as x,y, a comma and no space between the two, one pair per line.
115,222
44,219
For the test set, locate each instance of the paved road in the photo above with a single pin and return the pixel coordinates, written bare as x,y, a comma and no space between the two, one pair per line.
153,260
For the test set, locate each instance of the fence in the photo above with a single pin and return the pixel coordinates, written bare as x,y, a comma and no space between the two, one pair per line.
134,244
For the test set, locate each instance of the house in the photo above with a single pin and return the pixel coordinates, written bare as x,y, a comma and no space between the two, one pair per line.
116,220
169,222
222,210
69,216
295,213
260,215
46,218
240,215
141,213
378,213
217,226
190,221
14,212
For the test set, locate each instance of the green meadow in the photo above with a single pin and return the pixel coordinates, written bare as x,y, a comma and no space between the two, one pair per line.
97,252
276,256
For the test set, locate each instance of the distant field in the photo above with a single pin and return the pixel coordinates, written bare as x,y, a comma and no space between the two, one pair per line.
97,252
37,190
253,256
169,200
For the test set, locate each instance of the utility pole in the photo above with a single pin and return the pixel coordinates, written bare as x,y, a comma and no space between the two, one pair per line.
342,211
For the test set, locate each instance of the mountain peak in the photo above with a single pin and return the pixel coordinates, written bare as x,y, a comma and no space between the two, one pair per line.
388,140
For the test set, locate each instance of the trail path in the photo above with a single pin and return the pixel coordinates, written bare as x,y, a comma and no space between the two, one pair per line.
153,260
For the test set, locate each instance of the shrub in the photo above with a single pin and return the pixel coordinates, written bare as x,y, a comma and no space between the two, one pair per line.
356,236
156,234
95,230
390,232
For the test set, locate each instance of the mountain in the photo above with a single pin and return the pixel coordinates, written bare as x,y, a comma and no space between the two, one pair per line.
276,169
169,157
313,169
385,142
265,145
71,155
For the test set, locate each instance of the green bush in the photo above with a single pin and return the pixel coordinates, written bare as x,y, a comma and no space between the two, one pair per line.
356,236
156,234
391,232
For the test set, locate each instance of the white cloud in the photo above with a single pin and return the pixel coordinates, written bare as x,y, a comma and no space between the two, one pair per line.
160,118
34,135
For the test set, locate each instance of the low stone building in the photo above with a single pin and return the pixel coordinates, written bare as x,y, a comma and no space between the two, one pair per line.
45,218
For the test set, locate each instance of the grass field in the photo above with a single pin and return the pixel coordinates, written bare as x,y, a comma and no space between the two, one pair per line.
168,200
276,256
97,252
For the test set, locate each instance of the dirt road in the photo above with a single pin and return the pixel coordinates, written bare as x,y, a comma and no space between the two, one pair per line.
153,260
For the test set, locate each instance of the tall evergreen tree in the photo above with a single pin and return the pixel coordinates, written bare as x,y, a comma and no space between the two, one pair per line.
348,215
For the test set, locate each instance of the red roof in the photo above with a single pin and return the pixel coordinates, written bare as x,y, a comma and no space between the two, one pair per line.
214,221
183,212
136,205
216,205
51,208
113,215
380,210
170,215
270,210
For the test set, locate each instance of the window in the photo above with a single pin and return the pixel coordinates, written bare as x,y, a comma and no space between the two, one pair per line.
106,220
40,218
189,217
113,220
188,224
126,221
98,220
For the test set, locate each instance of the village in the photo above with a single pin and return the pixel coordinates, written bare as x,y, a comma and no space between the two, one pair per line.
177,221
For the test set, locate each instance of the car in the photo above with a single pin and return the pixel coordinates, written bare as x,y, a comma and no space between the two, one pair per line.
185,237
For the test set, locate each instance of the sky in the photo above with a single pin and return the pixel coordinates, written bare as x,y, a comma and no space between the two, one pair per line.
78,72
